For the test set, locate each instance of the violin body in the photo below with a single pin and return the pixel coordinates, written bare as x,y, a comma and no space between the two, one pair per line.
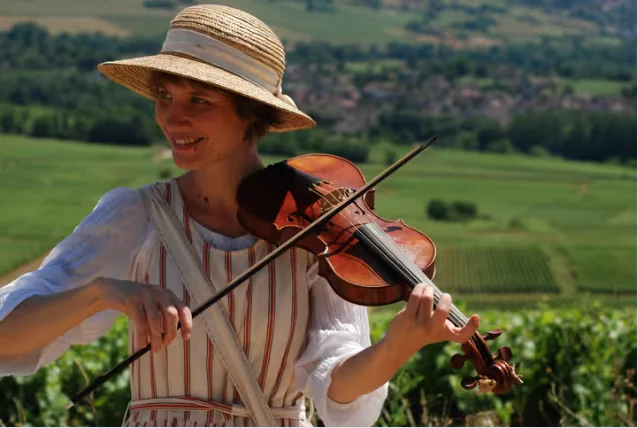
368,260
352,271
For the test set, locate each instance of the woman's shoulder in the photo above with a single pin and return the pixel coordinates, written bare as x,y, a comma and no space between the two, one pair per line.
119,202
123,206
123,200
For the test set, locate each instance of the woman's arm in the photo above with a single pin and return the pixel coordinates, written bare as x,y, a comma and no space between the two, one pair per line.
80,289
344,374
337,330
411,329
45,318
40,320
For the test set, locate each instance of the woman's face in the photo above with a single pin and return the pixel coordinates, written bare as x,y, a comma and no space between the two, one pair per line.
200,122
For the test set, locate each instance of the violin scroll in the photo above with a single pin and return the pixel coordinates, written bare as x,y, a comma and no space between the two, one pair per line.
494,374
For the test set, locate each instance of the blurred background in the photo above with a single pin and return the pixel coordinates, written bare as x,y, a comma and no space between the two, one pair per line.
529,194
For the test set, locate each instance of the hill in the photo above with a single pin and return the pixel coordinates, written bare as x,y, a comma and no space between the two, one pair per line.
545,228
457,23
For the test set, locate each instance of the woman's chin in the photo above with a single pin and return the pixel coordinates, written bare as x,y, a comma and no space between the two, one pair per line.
186,163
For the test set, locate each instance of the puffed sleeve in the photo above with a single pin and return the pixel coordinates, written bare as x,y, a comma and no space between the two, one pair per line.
102,245
337,329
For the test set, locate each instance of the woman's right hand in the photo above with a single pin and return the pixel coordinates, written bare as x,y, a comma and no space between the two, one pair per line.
155,311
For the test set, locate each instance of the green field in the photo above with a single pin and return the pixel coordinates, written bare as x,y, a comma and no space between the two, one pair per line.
574,221
495,269
345,23
348,24
50,186
596,87
548,229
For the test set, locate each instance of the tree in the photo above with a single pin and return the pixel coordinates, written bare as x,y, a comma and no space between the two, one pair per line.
437,210
502,145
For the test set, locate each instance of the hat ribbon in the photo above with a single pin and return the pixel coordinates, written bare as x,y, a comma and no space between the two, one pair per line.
222,55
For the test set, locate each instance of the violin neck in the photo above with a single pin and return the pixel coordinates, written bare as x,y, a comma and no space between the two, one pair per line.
383,246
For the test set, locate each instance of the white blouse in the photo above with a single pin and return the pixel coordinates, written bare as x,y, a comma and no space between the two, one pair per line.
107,244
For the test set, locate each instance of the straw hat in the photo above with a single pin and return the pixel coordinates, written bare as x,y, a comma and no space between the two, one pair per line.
223,47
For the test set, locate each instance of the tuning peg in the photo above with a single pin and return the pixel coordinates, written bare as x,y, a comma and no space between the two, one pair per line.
469,382
491,335
458,360
504,353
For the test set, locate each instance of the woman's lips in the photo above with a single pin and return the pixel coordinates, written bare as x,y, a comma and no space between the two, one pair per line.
185,147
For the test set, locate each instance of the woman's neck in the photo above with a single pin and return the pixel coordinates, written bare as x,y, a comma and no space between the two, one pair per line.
211,194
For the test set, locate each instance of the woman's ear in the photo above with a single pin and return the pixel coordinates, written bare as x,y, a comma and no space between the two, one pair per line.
250,130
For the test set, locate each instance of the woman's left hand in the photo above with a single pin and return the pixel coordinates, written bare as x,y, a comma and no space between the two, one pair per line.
411,329
418,325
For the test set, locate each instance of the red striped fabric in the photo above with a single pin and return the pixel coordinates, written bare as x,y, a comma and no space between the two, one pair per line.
272,312
271,319
192,404
186,300
229,277
293,322
209,348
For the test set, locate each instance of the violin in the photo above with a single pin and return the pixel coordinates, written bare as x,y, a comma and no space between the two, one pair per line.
368,260
322,203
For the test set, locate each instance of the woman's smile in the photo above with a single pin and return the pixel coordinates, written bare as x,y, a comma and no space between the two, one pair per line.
183,141
182,144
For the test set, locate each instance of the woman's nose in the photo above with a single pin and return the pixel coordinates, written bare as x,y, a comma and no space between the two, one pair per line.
177,115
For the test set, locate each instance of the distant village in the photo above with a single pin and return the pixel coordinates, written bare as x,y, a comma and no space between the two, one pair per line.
354,106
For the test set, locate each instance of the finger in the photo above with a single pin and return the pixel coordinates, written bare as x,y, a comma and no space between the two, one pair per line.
185,318
412,308
442,311
468,329
170,319
154,324
426,305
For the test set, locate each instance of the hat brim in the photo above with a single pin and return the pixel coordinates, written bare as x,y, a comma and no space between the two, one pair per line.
135,74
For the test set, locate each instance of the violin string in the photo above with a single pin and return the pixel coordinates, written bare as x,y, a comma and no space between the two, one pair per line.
420,276
455,315
377,240
417,274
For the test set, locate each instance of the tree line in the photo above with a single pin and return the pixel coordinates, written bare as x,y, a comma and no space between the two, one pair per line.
569,56
51,89
573,134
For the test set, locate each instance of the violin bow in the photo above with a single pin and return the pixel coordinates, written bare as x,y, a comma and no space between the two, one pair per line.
98,381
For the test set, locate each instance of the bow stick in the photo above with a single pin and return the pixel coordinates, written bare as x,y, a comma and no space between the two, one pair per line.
98,381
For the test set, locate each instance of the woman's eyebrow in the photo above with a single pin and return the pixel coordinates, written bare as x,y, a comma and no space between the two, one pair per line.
202,91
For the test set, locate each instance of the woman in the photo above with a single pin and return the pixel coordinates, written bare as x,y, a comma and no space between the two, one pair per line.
217,91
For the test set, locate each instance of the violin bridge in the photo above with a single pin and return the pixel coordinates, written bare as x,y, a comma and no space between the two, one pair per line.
331,199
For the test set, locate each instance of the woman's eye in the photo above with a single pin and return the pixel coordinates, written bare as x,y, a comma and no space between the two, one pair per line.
199,101
163,94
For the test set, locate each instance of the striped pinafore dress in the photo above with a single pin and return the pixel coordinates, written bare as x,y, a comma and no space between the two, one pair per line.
186,384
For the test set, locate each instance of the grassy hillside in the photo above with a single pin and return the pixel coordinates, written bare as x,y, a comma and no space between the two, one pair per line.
49,186
288,18
547,228
574,220
458,23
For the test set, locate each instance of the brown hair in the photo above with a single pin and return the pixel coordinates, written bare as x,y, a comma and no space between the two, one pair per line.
263,116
